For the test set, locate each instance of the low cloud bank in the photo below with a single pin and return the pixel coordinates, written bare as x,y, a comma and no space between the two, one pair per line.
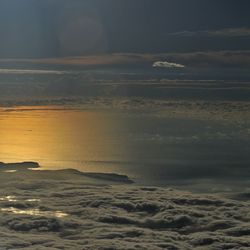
104,216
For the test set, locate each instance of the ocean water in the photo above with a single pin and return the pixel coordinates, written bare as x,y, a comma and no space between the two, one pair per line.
157,127
148,147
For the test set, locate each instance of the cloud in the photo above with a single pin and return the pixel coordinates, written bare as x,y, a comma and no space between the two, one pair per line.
227,33
161,64
30,72
212,59
122,216
224,58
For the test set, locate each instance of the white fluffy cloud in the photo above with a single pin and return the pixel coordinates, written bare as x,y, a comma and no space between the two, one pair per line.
162,64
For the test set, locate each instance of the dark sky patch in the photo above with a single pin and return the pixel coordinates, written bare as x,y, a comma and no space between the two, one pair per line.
53,28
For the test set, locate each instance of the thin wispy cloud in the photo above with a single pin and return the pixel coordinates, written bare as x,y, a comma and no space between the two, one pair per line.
32,72
231,32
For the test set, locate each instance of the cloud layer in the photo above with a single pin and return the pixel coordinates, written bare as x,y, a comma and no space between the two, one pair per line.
103,216
198,59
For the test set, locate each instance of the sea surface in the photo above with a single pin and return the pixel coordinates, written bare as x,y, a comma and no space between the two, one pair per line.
150,148
186,128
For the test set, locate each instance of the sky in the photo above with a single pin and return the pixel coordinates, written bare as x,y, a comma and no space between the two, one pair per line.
60,28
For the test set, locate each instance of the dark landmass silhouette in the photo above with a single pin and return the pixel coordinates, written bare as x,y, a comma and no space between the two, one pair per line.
30,168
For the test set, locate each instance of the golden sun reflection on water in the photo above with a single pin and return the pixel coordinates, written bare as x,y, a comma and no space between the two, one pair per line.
57,137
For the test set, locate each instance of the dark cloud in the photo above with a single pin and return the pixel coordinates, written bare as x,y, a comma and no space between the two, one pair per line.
41,224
